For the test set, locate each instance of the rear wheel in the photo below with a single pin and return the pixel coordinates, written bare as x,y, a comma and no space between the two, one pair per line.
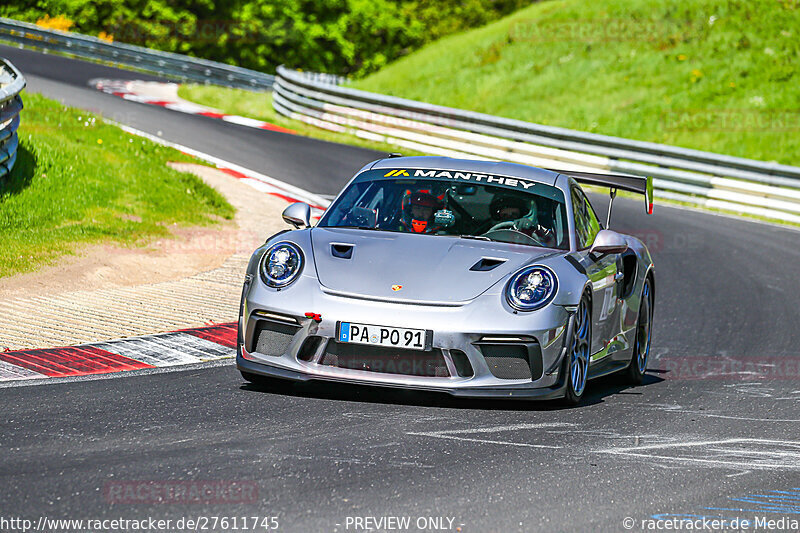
577,364
644,327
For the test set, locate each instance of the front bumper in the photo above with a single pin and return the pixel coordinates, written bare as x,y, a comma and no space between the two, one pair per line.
516,393
458,331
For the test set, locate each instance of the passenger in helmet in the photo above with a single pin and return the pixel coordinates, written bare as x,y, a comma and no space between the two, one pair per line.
418,212
505,207
516,213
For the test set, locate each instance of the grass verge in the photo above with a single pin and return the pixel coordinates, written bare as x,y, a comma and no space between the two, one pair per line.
714,75
80,181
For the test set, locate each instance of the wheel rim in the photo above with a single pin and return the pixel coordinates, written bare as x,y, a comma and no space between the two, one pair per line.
644,330
579,355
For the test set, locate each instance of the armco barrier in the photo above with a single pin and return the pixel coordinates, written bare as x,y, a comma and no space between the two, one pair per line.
173,66
11,84
718,181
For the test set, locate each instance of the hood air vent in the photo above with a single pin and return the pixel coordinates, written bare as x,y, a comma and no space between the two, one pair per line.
486,264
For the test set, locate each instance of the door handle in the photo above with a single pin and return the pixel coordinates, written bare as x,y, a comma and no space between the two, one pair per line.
618,276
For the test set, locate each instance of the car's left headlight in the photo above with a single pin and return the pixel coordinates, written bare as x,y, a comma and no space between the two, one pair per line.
531,288
281,264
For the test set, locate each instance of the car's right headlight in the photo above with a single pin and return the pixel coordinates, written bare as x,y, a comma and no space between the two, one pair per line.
281,264
531,288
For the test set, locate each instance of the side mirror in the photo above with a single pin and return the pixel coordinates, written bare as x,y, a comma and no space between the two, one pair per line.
609,242
298,215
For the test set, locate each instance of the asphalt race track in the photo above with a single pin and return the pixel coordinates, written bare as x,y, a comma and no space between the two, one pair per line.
715,432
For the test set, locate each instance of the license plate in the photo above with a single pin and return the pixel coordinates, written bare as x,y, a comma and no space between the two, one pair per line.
411,339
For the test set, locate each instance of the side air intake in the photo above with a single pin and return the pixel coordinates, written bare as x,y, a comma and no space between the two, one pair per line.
272,338
512,357
342,251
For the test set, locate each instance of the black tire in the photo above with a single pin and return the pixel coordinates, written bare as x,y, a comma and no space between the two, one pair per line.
634,374
576,365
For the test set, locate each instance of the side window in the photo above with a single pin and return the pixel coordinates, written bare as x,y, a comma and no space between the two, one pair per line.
586,224
560,227
594,223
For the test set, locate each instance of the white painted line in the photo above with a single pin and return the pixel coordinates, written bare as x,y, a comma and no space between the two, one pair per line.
283,187
354,460
168,349
10,372
498,429
191,109
745,453
244,121
703,443
166,95
723,463
737,474
452,434
485,441
115,375
746,418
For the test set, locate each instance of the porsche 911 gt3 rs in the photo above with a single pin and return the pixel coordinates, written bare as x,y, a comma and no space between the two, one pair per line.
474,278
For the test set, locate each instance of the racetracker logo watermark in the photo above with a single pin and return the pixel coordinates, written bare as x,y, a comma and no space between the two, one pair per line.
604,30
411,364
732,120
705,523
729,368
180,492
671,242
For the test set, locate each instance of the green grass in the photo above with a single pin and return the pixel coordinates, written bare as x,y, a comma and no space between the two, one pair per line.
258,105
715,75
80,181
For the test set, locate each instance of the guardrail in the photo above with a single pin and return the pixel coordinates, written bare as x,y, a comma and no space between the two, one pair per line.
168,65
11,84
718,181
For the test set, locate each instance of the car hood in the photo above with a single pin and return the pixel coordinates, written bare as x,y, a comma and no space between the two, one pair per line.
415,268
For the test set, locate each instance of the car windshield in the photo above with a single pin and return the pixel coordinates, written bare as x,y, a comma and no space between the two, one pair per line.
535,216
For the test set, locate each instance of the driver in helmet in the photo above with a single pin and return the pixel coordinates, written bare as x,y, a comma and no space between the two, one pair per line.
515,213
418,215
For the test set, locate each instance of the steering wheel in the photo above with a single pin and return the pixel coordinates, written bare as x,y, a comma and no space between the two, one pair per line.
505,232
361,217
508,224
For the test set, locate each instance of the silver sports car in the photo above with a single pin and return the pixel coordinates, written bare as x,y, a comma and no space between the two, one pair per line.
474,278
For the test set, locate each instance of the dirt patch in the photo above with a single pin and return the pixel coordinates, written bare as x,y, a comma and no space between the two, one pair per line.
190,250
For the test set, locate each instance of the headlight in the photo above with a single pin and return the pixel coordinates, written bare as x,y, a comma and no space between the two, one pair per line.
281,264
531,288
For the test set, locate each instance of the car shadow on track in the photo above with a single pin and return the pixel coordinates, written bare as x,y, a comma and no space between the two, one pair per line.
596,392
21,174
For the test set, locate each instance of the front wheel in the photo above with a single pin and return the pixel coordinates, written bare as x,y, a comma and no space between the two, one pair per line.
577,364
644,328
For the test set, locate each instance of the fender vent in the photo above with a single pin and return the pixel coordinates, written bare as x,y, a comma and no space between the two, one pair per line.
629,268
486,264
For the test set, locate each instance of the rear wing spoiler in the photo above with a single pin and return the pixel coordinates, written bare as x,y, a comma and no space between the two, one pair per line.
637,184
